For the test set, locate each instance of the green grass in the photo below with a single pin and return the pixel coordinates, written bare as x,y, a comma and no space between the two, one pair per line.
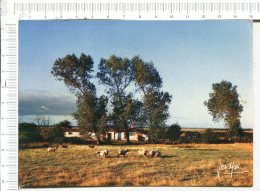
179,165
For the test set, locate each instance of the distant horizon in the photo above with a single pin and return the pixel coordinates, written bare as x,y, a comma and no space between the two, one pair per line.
189,55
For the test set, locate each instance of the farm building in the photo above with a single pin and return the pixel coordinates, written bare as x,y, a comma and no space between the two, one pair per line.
110,135
72,132
120,135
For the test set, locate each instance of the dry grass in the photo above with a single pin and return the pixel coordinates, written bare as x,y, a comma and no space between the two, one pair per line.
179,165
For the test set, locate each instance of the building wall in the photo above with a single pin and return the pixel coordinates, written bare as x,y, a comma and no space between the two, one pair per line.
72,134
133,136
120,135
113,135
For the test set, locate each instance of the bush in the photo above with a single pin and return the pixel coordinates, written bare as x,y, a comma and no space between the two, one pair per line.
173,132
34,145
235,132
76,140
209,137
53,134
29,132
65,123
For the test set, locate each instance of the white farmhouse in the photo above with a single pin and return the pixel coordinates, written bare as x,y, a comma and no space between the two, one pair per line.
120,135
72,132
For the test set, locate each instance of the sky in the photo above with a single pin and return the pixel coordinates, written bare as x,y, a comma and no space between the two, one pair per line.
189,55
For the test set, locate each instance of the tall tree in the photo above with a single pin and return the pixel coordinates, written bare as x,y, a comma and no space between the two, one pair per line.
156,106
117,74
223,104
91,114
156,102
147,76
76,73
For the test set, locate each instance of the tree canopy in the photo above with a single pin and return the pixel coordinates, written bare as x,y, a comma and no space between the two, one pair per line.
155,102
147,77
224,104
117,74
132,85
76,73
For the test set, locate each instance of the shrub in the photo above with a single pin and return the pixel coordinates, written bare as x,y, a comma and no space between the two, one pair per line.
75,140
65,123
29,132
53,134
209,137
173,132
34,145
235,132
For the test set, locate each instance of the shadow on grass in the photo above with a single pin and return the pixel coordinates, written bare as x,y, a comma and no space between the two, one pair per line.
168,156
195,149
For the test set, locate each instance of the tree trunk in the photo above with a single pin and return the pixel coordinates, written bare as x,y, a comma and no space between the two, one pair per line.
127,133
98,141
97,135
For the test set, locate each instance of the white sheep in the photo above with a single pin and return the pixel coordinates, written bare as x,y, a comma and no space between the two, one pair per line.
122,152
155,153
103,153
52,149
142,152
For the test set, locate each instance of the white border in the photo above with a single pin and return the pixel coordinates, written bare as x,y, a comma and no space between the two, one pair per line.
256,86
12,14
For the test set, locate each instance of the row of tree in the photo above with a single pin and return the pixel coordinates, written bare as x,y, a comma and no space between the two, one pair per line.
132,89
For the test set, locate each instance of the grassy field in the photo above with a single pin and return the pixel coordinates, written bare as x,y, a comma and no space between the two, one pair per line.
179,165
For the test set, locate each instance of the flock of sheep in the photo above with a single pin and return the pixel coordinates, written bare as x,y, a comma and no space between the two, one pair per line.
53,149
120,152
123,152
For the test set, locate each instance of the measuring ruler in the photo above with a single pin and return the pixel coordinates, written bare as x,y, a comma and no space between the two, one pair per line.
13,11
127,9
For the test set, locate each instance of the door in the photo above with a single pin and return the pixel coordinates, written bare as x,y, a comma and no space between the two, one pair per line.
109,137
119,136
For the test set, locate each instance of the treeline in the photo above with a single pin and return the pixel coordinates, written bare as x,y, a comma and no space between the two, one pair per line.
32,135
31,132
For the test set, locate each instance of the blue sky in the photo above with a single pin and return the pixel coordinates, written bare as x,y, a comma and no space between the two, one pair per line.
190,56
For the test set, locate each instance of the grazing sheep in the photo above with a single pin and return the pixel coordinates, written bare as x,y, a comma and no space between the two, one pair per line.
52,149
103,153
122,152
155,153
142,152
